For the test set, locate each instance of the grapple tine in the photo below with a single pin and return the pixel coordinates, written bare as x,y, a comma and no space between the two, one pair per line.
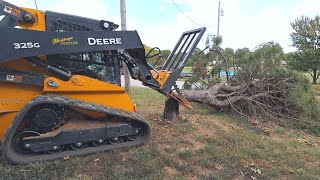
180,56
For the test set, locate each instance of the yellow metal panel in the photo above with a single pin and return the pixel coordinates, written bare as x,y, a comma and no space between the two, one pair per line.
6,121
81,84
161,76
40,20
12,98
91,90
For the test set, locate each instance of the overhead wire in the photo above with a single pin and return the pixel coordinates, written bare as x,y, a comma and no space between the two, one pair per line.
35,2
184,13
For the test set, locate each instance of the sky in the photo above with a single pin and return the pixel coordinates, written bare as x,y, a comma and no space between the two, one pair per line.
246,23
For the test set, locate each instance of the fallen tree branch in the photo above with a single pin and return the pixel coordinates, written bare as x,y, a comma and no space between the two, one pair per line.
264,96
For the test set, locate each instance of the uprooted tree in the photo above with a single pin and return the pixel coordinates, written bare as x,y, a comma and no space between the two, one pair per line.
261,87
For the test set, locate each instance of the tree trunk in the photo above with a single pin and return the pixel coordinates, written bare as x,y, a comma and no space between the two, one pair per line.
171,110
314,77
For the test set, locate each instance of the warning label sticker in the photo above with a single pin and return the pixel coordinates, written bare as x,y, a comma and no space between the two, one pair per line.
14,78
12,11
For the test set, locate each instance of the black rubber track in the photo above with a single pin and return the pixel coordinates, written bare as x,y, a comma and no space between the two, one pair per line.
10,155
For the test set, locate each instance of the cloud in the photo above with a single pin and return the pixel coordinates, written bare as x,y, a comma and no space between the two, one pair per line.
162,8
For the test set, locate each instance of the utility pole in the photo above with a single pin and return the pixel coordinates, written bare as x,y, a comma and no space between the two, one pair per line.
219,14
123,12
218,31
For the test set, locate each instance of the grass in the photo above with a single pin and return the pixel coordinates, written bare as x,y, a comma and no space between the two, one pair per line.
309,77
316,87
204,145
187,69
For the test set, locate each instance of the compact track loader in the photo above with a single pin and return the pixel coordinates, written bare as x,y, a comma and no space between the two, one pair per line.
60,92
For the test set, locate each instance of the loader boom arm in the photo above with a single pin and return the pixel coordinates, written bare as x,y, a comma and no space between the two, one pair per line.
20,43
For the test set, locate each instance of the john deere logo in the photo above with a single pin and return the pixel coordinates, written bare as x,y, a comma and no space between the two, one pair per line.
64,41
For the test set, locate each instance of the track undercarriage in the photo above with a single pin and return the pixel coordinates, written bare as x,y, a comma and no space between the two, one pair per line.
76,135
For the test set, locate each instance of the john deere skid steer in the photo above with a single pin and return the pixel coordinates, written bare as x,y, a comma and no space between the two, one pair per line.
60,92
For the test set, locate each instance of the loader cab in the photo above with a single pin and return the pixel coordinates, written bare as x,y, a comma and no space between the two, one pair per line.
102,65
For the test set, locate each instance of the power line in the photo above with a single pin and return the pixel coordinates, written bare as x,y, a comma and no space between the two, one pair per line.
35,2
184,13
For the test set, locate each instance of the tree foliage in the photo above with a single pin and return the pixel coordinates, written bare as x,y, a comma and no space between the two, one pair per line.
241,54
201,79
229,55
156,58
194,57
263,60
262,88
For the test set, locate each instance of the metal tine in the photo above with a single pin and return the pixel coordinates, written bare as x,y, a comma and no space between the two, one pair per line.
172,54
179,51
182,59
175,74
178,58
199,33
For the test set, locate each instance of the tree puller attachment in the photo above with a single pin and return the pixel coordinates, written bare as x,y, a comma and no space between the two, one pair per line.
60,92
